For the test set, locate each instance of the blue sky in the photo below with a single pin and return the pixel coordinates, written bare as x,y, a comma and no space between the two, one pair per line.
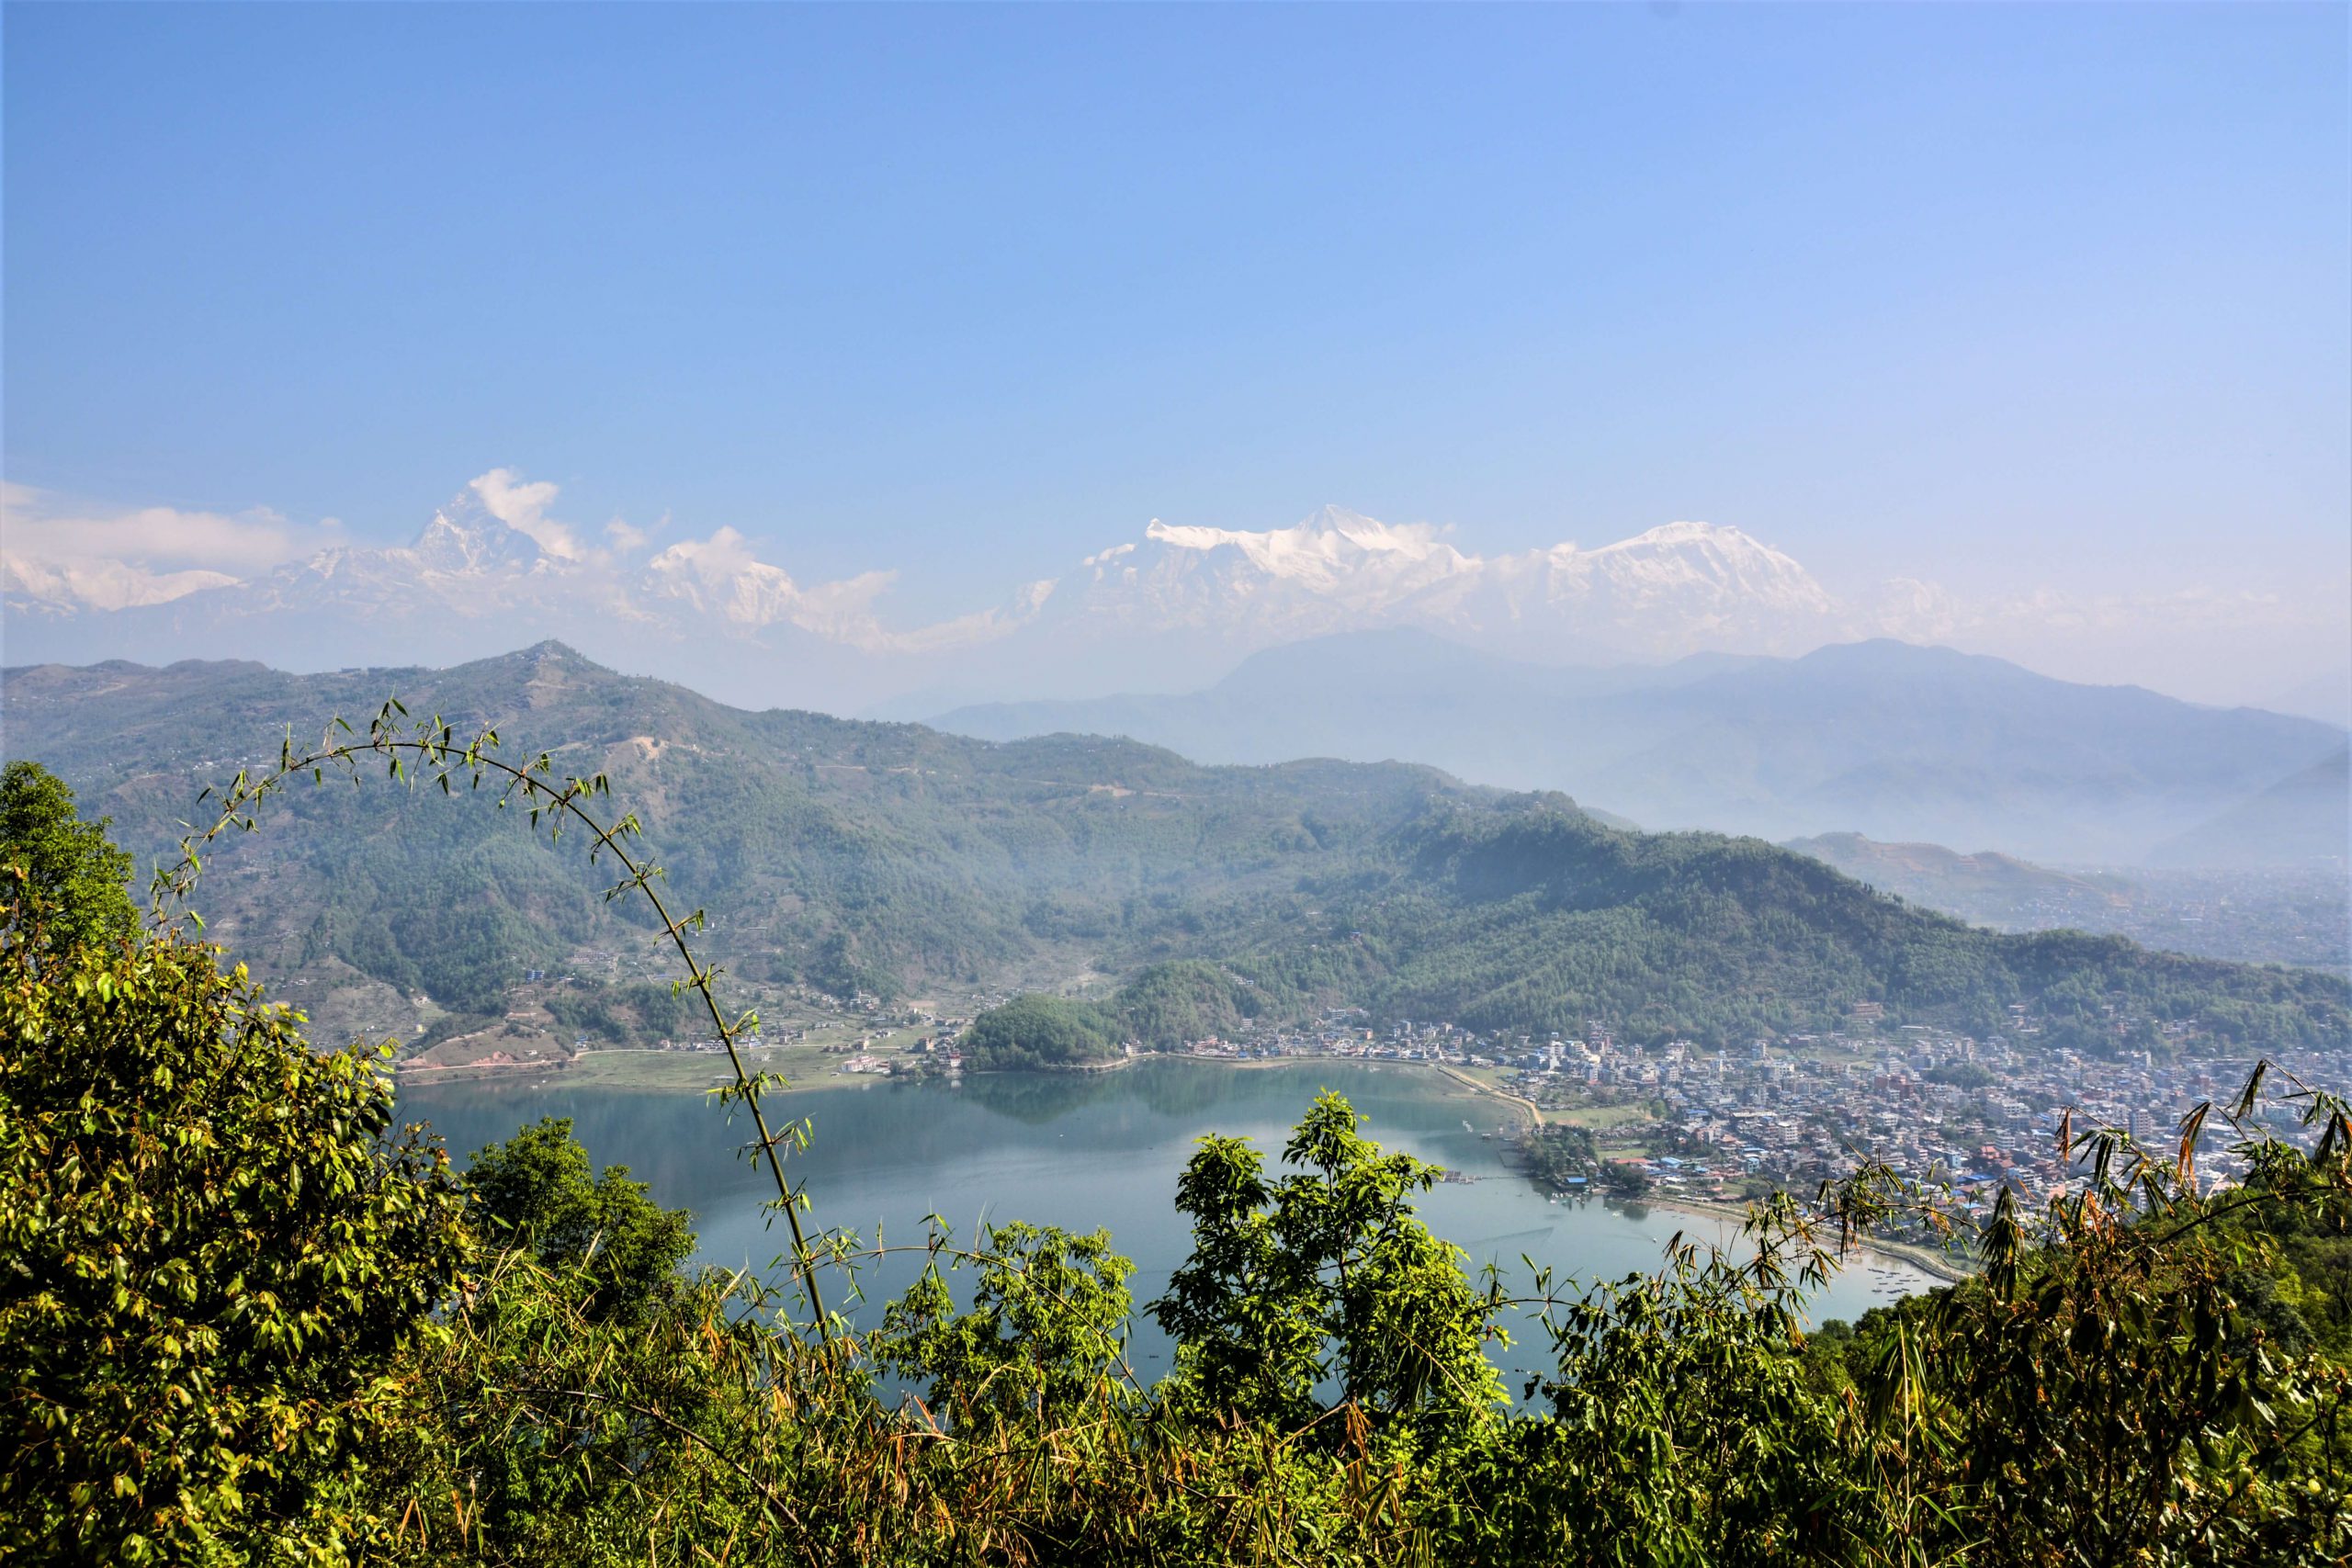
2007,296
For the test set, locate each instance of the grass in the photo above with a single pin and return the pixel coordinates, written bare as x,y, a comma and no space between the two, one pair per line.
1600,1118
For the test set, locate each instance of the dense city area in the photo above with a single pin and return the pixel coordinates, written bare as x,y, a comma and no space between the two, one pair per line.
1948,1110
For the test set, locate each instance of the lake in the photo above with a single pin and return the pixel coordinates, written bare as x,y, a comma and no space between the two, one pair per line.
1081,1151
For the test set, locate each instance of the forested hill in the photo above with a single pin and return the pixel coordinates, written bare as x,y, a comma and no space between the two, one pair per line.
886,856
844,853
1525,913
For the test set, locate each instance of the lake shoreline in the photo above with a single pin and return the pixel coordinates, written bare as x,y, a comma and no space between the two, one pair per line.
1525,1110
1085,1151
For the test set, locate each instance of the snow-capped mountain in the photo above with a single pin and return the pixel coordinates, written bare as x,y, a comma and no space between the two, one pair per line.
464,539
1676,588
495,568
1170,607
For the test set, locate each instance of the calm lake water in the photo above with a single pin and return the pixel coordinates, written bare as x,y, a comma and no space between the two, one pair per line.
1082,1152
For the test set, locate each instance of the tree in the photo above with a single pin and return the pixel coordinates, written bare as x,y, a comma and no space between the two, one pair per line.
72,874
1624,1178
1326,1275
1681,1432
1557,1153
1046,1337
214,1254
623,1248
1041,1032
2120,1393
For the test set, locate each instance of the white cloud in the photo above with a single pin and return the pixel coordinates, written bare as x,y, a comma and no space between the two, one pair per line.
2212,641
58,558
100,585
77,556
711,560
722,575
523,506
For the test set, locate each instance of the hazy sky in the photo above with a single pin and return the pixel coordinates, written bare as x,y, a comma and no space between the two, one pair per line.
2008,297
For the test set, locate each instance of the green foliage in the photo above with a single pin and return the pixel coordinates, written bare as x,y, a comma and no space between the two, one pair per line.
1325,1277
214,1257
622,1250
1169,1004
239,1321
2075,1398
542,1432
1032,1031
1558,1151
279,1334
2134,1389
1166,1006
640,1012
1622,1178
845,854
1525,916
1046,1337
1681,1431
73,878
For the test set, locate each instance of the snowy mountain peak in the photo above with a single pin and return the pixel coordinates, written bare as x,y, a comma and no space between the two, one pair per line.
1732,562
1671,534
472,544
1314,546
463,539
1657,593
721,576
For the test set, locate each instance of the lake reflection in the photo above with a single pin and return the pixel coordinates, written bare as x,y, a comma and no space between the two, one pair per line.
1079,1151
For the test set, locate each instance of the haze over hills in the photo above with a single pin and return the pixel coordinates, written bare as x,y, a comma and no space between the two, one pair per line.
850,854
2299,820
2276,915
1895,741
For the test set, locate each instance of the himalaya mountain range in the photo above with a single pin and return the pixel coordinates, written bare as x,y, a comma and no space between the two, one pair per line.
1169,610
492,563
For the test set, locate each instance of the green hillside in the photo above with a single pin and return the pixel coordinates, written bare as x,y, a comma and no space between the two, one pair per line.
846,855
852,856
1525,916
1528,916
1168,1005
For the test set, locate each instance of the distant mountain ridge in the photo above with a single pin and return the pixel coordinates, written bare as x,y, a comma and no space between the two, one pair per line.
1990,876
877,856
2301,818
1902,743
2285,914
